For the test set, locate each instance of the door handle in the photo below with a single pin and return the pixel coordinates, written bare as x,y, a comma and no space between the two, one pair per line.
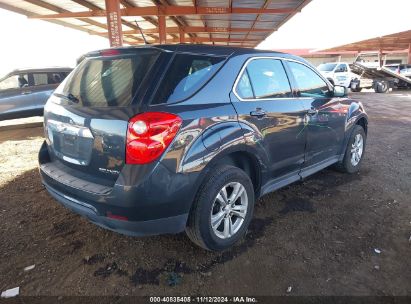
260,113
312,112
25,92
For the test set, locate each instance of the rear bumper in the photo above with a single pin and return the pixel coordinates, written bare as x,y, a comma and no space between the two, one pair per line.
159,204
174,224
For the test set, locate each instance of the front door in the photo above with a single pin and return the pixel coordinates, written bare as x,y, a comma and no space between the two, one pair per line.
15,94
263,100
342,76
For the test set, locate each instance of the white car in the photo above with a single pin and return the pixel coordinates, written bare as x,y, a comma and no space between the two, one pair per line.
338,73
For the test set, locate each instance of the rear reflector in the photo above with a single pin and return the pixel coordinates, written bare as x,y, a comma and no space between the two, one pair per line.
148,136
116,217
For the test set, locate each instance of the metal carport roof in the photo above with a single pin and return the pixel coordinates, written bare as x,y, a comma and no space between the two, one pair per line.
222,22
392,42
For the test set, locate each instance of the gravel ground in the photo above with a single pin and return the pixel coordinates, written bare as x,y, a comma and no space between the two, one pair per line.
332,234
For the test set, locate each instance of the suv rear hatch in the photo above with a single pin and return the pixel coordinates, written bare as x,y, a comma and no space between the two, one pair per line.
87,116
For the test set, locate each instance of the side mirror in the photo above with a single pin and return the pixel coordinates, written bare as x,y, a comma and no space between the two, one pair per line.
340,91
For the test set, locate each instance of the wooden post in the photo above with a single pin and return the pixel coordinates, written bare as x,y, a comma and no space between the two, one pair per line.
115,34
162,29
409,53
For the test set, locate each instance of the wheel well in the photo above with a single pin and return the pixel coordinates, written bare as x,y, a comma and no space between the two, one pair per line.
363,123
246,162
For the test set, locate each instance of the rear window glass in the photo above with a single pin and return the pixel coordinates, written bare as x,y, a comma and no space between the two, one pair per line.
108,81
185,76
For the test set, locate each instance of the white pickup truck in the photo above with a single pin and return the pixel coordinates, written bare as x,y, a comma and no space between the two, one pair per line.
338,73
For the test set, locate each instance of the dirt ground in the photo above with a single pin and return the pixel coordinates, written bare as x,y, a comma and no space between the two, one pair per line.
319,236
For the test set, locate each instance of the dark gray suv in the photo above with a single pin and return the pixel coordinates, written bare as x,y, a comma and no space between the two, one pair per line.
162,139
24,92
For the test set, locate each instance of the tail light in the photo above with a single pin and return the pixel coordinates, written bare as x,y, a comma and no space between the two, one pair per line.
148,136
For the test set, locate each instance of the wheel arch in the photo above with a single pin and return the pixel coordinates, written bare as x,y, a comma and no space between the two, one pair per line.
245,161
359,118
363,122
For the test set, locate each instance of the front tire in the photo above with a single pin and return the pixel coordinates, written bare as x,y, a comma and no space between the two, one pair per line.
356,90
354,152
381,87
222,210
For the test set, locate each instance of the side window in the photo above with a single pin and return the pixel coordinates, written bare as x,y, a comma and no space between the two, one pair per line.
309,84
40,79
244,88
54,78
263,78
14,82
342,68
185,76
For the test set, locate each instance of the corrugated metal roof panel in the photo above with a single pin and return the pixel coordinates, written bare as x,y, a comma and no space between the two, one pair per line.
218,22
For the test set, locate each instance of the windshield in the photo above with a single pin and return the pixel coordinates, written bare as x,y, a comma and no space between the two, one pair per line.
108,81
327,67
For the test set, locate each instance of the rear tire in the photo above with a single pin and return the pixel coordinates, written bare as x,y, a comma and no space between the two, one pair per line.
354,152
217,203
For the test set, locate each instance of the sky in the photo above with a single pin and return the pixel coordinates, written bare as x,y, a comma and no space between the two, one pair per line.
328,23
321,24
36,43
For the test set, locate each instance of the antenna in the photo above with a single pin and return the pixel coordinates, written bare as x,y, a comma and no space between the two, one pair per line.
141,32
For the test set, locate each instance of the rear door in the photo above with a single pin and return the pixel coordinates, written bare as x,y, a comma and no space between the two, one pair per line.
325,115
87,116
41,89
263,100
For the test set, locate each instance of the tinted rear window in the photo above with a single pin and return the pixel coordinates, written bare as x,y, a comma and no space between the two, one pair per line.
185,76
108,81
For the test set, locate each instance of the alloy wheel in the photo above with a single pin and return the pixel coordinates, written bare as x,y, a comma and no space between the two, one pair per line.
357,149
229,210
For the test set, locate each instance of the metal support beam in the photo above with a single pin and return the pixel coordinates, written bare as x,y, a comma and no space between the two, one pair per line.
203,40
195,29
182,36
115,34
172,10
162,29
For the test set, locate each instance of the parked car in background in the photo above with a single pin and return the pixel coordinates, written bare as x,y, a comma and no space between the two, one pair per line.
338,73
401,69
162,139
23,93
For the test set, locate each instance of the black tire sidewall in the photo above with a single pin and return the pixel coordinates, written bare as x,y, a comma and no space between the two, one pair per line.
206,200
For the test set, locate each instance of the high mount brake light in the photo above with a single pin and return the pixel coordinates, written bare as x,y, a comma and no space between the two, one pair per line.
148,136
110,52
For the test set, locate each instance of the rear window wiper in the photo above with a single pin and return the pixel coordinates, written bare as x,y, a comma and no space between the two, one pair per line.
69,96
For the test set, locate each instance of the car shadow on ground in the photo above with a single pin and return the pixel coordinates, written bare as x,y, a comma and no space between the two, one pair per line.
39,224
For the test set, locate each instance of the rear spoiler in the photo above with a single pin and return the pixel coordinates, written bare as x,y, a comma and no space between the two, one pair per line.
112,52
